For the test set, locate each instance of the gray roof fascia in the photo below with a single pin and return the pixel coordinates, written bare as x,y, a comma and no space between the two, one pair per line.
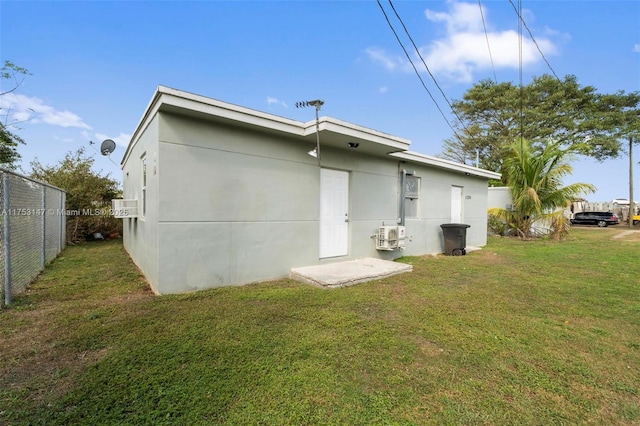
416,157
166,98
213,107
149,113
169,99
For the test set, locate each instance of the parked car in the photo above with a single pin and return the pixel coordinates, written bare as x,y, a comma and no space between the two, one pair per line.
636,219
602,219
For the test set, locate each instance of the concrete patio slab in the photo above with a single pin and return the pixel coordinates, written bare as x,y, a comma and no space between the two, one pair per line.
342,274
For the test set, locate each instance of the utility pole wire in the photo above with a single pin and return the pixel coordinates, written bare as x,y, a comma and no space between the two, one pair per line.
423,61
416,70
521,22
486,35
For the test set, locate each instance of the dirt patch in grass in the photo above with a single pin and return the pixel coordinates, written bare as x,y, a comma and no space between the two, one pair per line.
36,359
628,235
427,347
618,232
491,257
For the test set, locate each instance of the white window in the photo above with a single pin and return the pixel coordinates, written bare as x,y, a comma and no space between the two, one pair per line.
143,164
411,197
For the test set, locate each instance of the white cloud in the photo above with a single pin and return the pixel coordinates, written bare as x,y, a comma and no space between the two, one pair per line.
21,108
463,51
122,139
391,63
461,55
462,17
24,108
276,101
636,48
97,138
62,139
383,89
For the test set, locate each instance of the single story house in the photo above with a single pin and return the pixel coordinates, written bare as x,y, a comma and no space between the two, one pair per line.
217,194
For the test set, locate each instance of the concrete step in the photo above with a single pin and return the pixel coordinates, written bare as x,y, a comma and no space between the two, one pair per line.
342,274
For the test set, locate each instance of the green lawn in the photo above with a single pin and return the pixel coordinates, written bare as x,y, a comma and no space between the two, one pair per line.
518,333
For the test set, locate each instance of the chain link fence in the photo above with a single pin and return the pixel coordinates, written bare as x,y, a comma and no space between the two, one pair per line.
32,231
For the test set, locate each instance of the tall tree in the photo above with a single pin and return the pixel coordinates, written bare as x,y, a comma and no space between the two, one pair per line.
9,141
534,176
493,115
621,112
89,194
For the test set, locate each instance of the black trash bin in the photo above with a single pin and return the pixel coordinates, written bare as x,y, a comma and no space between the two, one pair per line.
455,238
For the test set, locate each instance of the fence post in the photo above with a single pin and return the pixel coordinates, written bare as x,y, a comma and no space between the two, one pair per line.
44,226
7,240
63,223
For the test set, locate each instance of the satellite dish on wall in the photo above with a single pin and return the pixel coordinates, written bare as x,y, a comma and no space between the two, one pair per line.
107,147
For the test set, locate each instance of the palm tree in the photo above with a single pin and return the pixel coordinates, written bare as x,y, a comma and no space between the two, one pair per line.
534,176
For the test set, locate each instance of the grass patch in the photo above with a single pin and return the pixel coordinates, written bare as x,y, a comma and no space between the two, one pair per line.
532,332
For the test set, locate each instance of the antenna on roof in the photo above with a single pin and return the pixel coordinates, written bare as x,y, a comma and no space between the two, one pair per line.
317,103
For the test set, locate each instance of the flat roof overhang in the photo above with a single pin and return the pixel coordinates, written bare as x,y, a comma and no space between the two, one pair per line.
415,157
333,132
339,134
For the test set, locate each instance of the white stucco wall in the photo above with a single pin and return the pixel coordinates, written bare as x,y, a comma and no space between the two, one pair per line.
141,234
499,197
235,207
239,206
228,206
435,209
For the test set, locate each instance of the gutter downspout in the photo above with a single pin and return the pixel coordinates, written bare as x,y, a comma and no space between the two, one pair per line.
318,104
403,181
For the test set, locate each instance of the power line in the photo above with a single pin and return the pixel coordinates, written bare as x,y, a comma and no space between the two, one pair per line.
522,22
486,35
424,62
416,70
521,86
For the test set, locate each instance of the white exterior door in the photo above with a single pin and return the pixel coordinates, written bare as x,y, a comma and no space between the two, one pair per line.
334,213
456,204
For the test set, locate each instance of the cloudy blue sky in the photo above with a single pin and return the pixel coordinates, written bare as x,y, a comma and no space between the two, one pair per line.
95,65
